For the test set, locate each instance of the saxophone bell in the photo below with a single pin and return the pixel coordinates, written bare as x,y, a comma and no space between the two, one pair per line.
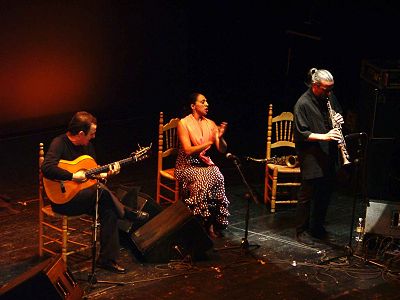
291,161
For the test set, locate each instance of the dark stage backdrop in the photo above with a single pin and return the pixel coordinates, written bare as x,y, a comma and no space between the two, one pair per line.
132,59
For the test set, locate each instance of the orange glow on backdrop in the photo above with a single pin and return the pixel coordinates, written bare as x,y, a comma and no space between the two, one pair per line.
49,60
42,83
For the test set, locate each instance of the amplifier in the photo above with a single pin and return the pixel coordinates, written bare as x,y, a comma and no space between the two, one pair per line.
383,74
51,279
383,218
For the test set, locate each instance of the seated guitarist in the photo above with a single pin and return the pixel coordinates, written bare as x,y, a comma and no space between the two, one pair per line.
69,146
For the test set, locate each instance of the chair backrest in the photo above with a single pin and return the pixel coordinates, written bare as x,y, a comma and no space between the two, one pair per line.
168,142
280,131
168,147
41,187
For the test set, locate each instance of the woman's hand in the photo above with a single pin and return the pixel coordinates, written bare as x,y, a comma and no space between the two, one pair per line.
219,140
219,132
221,129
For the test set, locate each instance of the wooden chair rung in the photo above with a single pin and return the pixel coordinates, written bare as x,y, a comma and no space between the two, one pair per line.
167,187
286,201
49,251
52,226
51,240
166,198
288,184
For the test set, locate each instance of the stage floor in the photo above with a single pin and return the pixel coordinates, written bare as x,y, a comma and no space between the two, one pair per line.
274,266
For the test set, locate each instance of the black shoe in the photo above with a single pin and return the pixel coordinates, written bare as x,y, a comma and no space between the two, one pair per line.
304,238
323,235
135,215
111,266
326,237
318,233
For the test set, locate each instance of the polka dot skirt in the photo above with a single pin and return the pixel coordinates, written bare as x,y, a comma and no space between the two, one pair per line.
204,187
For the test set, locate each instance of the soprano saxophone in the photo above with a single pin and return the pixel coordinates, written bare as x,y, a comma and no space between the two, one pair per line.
290,161
341,143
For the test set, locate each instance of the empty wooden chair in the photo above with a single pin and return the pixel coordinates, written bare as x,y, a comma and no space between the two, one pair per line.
282,173
168,147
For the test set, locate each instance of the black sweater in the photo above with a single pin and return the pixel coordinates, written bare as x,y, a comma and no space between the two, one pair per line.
62,148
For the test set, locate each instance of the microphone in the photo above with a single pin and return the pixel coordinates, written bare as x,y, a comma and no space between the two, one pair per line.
232,157
360,136
135,215
355,135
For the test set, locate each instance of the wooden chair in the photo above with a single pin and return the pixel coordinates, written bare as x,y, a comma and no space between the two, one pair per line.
280,179
59,233
168,147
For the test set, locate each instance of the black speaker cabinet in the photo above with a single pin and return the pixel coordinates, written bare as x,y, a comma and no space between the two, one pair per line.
382,218
174,233
378,111
48,280
381,169
133,198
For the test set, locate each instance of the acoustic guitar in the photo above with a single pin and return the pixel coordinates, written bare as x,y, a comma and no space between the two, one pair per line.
61,192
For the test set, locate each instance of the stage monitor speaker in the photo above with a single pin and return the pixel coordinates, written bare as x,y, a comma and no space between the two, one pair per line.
133,198
378,111
383,169
172,234
382,218
50,279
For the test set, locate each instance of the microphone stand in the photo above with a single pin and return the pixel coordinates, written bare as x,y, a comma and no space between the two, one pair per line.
358,180
249,195
92,278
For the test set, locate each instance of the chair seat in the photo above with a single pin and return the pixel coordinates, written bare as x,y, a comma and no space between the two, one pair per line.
168,173
284,169
49,212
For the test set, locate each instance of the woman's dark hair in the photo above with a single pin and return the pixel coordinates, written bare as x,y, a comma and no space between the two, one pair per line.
187,107
81,121
193,98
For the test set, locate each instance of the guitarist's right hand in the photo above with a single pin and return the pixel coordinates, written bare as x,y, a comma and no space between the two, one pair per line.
79,176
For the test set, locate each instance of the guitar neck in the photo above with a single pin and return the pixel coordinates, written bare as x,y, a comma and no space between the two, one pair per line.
105,168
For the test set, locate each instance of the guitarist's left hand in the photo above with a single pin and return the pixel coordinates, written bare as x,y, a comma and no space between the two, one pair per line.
79,176
114,169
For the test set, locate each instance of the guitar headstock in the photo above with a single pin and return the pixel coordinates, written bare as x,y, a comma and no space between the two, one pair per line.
141,153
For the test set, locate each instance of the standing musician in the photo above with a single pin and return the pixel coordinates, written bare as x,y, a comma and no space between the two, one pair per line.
317,150
69,146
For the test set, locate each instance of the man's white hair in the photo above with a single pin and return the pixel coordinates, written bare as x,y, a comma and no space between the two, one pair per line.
320,75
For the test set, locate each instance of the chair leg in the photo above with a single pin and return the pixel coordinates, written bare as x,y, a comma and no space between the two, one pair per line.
64,238
176,190
40,236
266,186
274,188
158,190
